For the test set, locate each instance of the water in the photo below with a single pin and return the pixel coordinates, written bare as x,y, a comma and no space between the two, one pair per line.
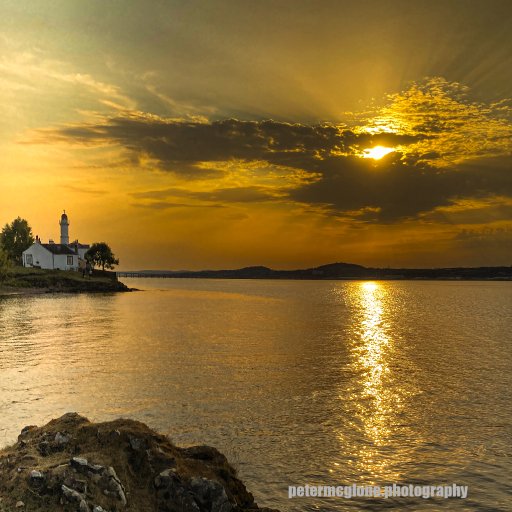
318,382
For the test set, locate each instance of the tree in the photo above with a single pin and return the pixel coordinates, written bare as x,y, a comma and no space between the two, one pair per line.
4,265
101,255
15,238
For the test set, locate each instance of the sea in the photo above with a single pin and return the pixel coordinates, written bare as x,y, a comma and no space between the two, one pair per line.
339,384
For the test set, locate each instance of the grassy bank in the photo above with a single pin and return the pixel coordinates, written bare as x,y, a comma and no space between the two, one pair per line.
26,280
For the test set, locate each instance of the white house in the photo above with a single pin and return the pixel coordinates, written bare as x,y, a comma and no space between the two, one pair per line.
52,256
63,256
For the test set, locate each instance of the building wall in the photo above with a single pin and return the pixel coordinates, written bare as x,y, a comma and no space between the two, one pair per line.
81,252
61,261
40,257
45,259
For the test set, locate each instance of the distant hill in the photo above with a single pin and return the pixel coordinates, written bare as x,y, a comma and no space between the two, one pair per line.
335,271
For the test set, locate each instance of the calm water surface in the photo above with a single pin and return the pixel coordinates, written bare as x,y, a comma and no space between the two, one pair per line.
296,382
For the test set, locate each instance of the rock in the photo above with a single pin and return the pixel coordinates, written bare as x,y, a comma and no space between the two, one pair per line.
96,469
84,467
80,464
47,473
137,444
80,486
27,429
61,439
172,494
71,494
36,478
83,507
210,495
36,475
165,477
44,448
113,485
20,504
206,453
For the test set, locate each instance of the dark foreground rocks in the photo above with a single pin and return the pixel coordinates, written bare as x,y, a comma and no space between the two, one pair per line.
71,464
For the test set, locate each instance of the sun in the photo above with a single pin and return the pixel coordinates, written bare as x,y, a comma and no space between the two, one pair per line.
377,152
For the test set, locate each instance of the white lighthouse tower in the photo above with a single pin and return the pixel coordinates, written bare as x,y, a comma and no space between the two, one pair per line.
64,232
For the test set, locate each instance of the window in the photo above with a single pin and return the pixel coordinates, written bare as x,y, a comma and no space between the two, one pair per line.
70,261
29,260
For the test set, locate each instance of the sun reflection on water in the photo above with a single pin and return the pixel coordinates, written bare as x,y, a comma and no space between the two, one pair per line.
375,394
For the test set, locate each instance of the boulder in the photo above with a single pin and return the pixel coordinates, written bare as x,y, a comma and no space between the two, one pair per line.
109,467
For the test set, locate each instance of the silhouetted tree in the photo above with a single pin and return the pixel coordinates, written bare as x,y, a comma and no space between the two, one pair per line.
4,265
101,255
15,238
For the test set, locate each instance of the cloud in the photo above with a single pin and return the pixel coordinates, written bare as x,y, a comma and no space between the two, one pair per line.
400,190
171,141
447,148
497,235
163,205
473,211
85,190
32,72
487,241
183,147
450,128
224,195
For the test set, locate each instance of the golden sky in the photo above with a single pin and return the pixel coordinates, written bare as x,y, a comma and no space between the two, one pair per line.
290,134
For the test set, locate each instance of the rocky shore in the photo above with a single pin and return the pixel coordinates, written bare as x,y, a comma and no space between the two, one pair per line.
31,280
71,464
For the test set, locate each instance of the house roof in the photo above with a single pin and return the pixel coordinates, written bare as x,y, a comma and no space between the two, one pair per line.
58,249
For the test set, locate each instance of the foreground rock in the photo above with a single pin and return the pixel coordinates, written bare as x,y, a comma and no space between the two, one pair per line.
71,464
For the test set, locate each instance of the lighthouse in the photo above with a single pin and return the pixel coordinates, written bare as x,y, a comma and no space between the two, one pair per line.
64,225
63,256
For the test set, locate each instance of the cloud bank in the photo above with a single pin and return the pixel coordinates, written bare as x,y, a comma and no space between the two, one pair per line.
446,149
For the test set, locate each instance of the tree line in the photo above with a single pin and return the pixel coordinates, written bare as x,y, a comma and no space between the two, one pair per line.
17,237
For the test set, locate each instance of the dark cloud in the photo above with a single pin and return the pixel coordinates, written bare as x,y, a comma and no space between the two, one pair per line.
477,213
401,191
179,145
387,191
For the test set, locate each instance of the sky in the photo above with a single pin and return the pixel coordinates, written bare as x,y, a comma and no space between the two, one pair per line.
223,134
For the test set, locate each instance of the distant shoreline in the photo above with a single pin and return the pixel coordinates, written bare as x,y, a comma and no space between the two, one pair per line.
234,278
339,271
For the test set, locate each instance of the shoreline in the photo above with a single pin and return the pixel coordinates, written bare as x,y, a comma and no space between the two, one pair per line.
22,292
32,281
